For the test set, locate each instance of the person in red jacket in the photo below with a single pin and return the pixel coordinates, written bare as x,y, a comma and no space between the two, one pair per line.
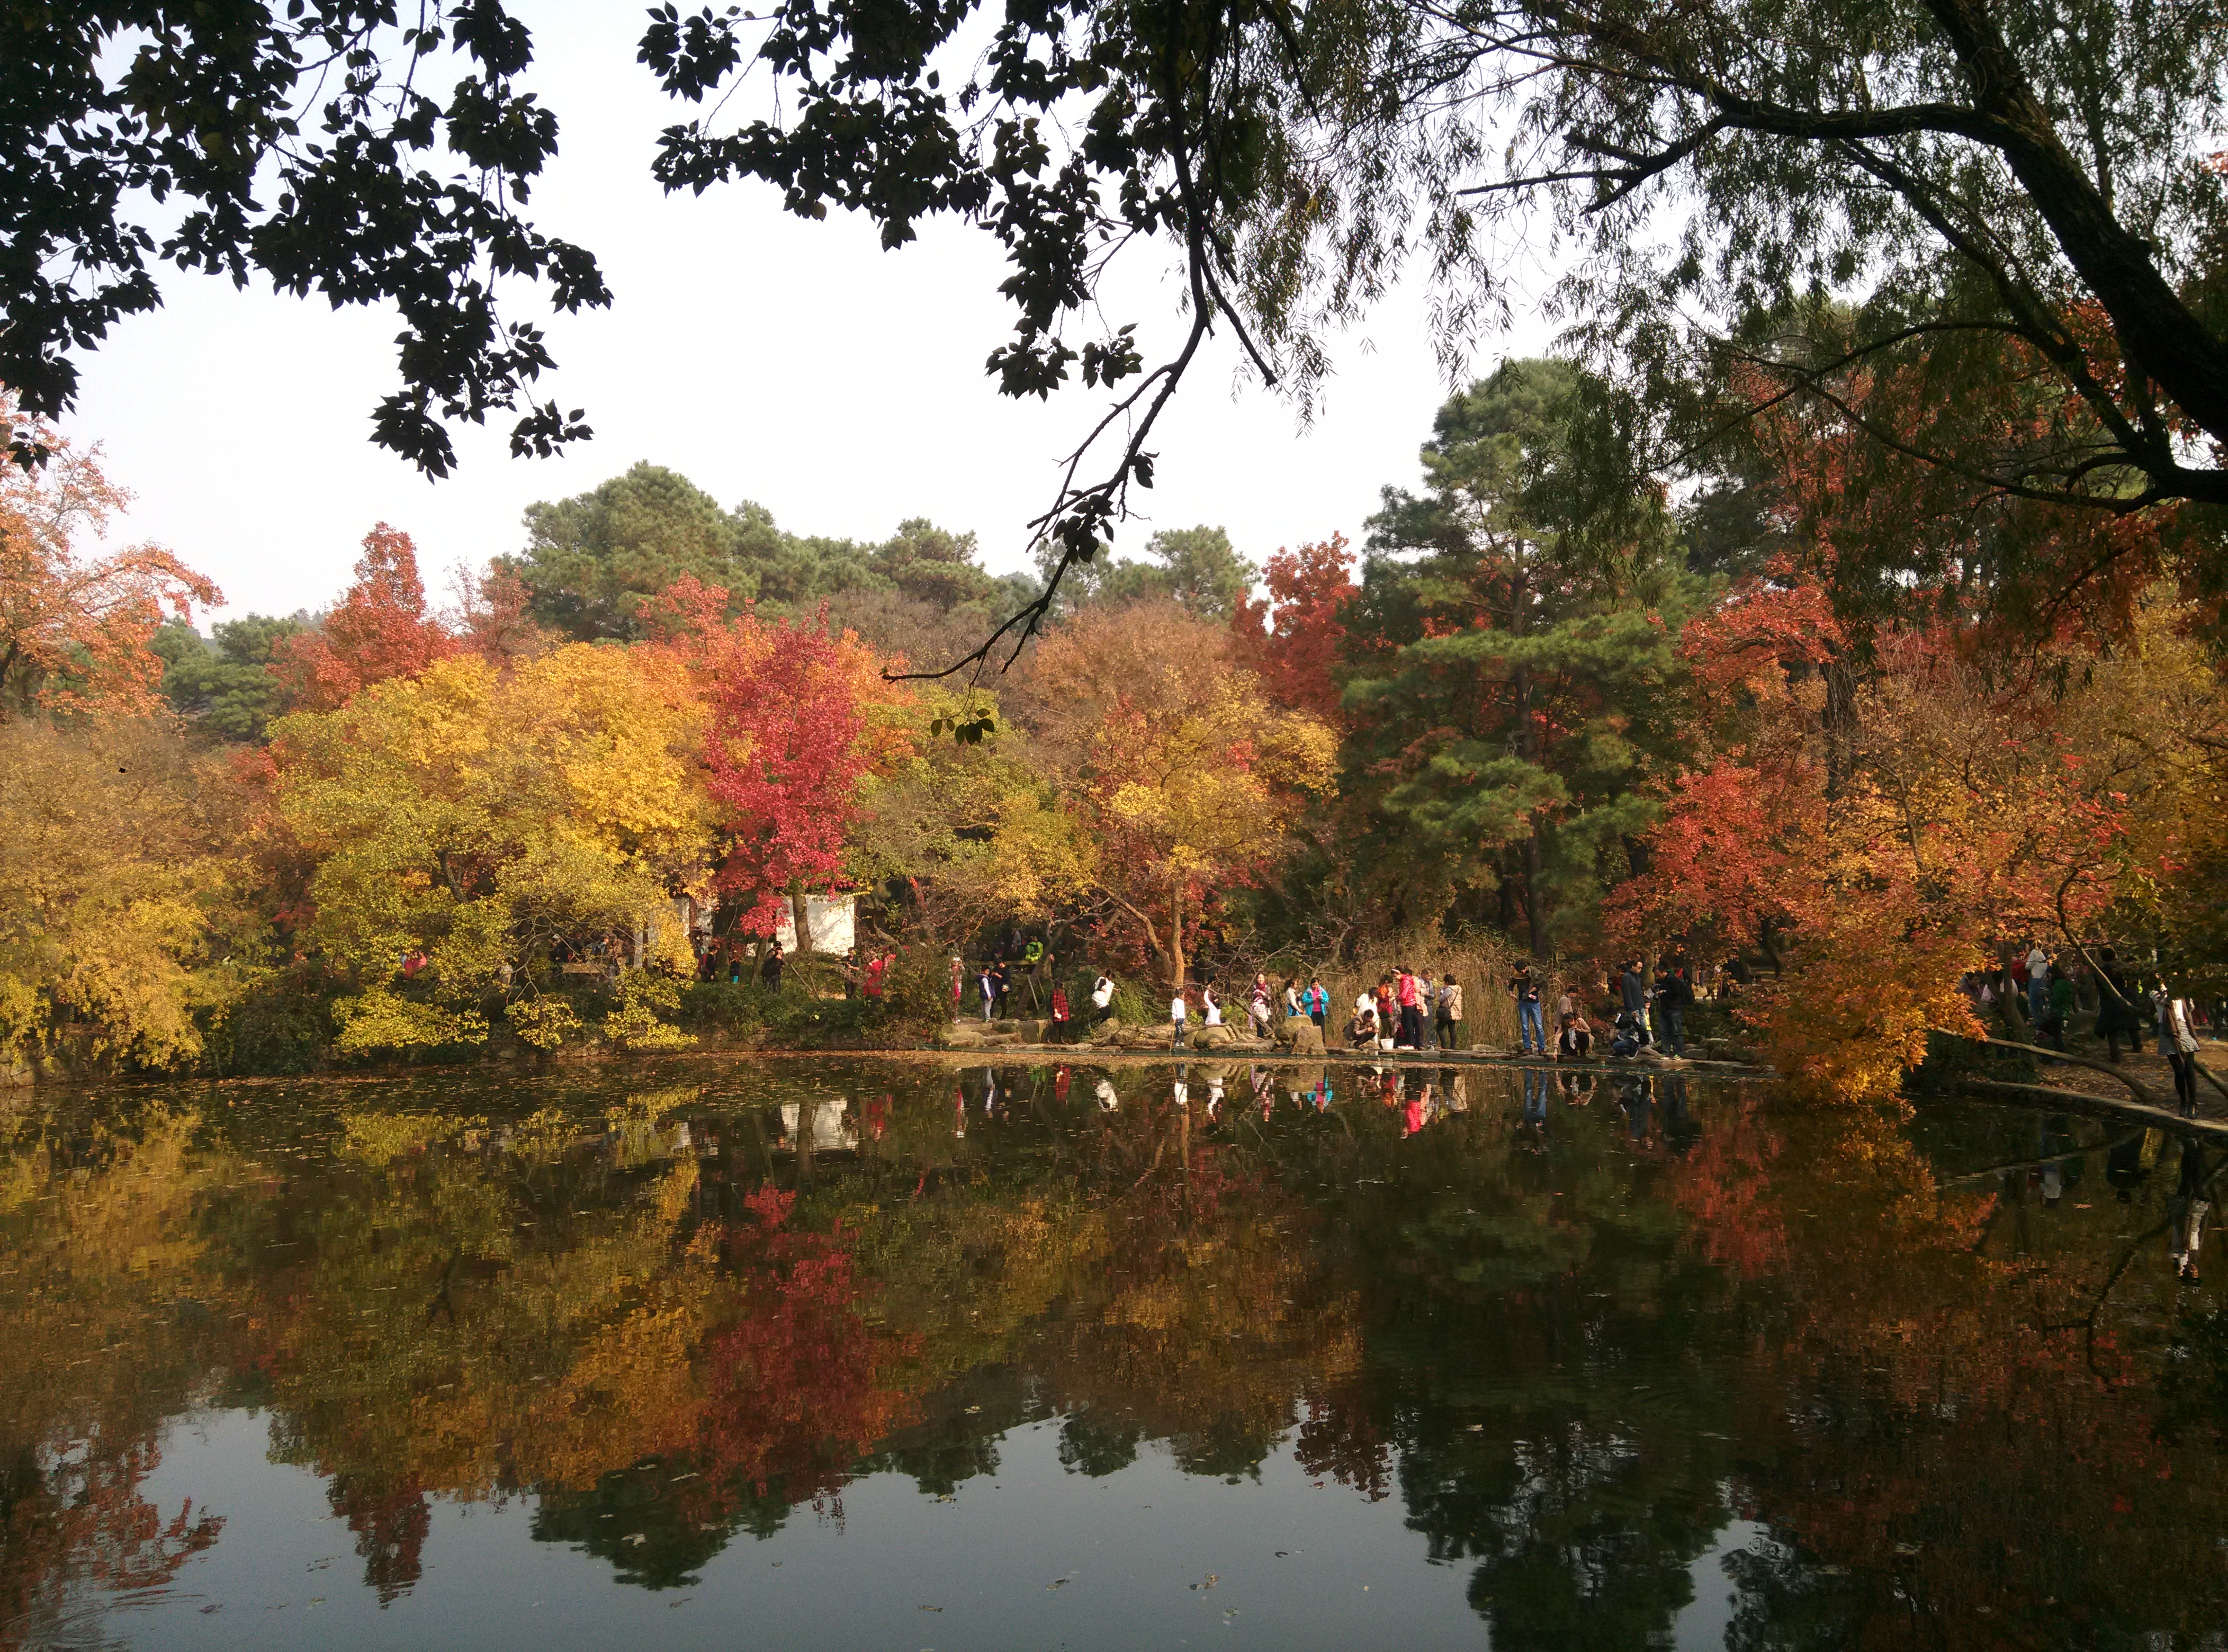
1408,992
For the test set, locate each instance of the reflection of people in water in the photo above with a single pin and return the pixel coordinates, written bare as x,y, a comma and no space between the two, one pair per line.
1418,1113
1181,1091
2124,1168
1108,1101
1214,1093
1536,1081
958,1109
1532,1126
1578,1089
2186,1213
2061,1165
1679,1130
1639,1111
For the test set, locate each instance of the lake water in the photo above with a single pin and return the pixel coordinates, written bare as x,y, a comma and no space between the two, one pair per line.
795,1354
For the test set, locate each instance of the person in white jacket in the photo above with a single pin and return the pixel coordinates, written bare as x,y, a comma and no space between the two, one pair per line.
2176,1037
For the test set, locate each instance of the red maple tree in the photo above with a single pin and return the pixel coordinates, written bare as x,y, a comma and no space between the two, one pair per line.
1291,639
792,734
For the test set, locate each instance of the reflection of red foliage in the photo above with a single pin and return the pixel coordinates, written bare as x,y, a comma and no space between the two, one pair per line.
89,1524
1724,1184
794,1389
391,1523
1996,1403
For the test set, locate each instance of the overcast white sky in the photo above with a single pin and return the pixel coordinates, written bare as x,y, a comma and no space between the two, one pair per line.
763,356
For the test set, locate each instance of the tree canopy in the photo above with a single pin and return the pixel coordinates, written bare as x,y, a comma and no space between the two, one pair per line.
306,148
224,681
1788,722
75,629
1514,640
593,564
1988,243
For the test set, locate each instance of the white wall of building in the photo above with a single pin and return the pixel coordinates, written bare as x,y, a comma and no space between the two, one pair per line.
833,921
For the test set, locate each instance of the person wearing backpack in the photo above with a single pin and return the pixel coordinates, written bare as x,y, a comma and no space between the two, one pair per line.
1450,1014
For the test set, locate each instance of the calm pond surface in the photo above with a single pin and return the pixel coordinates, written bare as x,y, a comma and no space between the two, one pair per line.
834,1353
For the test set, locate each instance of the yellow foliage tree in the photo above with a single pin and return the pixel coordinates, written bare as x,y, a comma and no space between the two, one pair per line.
481,819
120,891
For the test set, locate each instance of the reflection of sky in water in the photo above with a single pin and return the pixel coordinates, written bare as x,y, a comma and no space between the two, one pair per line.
1322,1356
834,1129
1296,1563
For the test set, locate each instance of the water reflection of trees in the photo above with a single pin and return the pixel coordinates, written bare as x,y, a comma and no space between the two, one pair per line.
1576,1330
113,1323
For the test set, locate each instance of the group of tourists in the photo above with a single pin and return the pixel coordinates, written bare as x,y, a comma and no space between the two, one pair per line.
2049,989
1025,975
1406,1011
1264,1005
1642,1013
866,977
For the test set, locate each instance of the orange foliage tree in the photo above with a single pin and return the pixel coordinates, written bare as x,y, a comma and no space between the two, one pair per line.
1876,849
1166,777
1884,796
74,629
381,629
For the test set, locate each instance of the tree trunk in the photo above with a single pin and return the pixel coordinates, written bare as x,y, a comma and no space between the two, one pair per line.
808,1119
1534,921
1528,751
1176,940
796,910
2120,266
1840,725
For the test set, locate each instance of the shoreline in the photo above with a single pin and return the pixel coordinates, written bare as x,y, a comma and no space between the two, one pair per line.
1087,1055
